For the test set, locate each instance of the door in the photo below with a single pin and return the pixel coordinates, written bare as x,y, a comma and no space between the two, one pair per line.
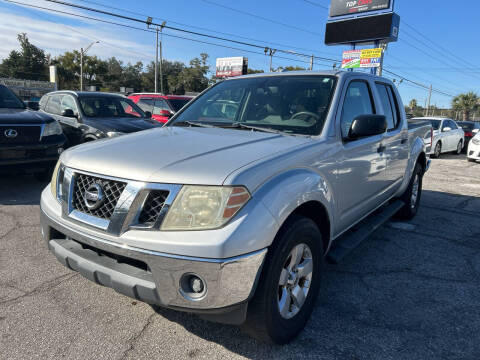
361,170
457,134
449,138
396,138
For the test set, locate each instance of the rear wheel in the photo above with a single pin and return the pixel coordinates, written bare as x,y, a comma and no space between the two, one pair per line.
459,147
471,160
438,150
411,197
289,283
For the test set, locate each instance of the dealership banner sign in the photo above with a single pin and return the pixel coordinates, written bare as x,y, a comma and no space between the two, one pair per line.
352,7
366,58
232,66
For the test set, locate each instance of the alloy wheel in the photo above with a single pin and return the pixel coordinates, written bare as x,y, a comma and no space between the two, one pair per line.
295,280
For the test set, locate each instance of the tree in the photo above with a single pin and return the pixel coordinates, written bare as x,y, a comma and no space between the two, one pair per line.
413,104
193,78
466,103
29,63
254,71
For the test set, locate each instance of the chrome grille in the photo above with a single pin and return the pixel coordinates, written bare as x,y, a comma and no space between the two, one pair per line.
112,190
152,207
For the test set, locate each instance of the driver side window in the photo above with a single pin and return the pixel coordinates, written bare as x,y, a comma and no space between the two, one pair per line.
358,101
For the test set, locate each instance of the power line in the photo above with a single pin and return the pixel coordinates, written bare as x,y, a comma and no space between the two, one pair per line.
178,29
198,27
261,17
316,4
418,84
152,31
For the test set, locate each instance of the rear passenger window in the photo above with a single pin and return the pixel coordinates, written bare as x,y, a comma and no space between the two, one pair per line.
53,105
387,106
358,101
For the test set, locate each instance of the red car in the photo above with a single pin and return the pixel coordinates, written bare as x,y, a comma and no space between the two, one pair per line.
162,107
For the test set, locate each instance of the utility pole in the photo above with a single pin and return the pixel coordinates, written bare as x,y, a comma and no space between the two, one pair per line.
271,52
83,52
161,56
311,63
157,45
156,60
429,98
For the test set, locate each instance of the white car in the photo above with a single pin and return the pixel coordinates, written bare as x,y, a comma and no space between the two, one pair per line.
447,135
473,152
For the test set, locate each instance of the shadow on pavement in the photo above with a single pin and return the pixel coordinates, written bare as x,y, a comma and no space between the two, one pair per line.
403,293
20,190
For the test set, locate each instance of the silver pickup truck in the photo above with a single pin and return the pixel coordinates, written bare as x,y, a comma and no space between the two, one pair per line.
231,209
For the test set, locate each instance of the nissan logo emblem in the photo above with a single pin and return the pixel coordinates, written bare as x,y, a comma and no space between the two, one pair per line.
94,197
10,133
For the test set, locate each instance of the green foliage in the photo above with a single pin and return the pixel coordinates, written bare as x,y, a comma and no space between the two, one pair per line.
466,103
29,63
109,75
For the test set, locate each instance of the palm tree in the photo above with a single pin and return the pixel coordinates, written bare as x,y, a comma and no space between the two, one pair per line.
466,103
413,104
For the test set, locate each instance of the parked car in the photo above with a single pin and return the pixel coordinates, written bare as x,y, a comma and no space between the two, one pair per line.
87,116
447,136
161,106
470,128
31,104
235,226
30,142
473,152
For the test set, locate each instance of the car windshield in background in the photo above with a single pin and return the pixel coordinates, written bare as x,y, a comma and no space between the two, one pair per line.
8,99
435,124
110,107
177,104
292,104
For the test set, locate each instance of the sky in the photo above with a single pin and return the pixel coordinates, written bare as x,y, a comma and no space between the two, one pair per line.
437,43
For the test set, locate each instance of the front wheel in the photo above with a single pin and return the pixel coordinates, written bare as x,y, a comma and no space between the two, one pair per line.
289,283
411,196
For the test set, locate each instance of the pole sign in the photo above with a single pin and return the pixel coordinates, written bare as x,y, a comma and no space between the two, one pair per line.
352,8
232,66
366,58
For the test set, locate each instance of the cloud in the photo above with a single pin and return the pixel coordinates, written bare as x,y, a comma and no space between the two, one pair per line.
55,37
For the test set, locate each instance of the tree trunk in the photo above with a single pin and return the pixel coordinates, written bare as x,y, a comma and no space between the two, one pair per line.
466,115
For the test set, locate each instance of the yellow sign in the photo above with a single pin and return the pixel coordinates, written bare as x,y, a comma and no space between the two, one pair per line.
371,53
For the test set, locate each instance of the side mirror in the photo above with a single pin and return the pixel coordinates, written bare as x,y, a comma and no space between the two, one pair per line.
367,125
445,129
148,114
166,113
68,113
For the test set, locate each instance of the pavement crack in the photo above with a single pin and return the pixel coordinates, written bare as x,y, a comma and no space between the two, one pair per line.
48,285
133,340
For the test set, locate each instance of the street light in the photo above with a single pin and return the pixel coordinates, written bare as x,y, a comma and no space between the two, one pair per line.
82,52
157,45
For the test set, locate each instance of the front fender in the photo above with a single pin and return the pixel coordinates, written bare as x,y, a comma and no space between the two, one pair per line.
285,192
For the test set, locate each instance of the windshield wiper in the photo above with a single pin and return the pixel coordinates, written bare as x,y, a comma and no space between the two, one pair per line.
193,123
238,125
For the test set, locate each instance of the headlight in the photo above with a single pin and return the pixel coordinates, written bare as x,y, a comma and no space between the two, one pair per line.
476,141
52,128
114,133
53,182
204,207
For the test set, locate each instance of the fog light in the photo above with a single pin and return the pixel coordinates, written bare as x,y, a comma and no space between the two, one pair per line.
192,287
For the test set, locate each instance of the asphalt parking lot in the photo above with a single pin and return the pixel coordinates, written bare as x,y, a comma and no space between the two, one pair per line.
412,291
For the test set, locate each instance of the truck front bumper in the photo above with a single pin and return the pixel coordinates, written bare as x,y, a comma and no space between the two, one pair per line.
154,277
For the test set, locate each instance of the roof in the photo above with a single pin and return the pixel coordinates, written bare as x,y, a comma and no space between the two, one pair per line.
85,93
162,95
431,118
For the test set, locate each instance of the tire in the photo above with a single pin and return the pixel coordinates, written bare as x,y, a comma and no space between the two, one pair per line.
412,196
459,148
438,150
471,160
264,319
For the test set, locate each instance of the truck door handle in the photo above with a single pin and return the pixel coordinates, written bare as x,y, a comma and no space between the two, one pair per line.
381,148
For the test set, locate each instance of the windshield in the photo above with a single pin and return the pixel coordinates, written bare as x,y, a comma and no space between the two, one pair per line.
110,107
9,100
290,104
177,104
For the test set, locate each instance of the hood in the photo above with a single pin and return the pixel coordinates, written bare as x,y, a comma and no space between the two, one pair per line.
23,116
124,125
178,155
